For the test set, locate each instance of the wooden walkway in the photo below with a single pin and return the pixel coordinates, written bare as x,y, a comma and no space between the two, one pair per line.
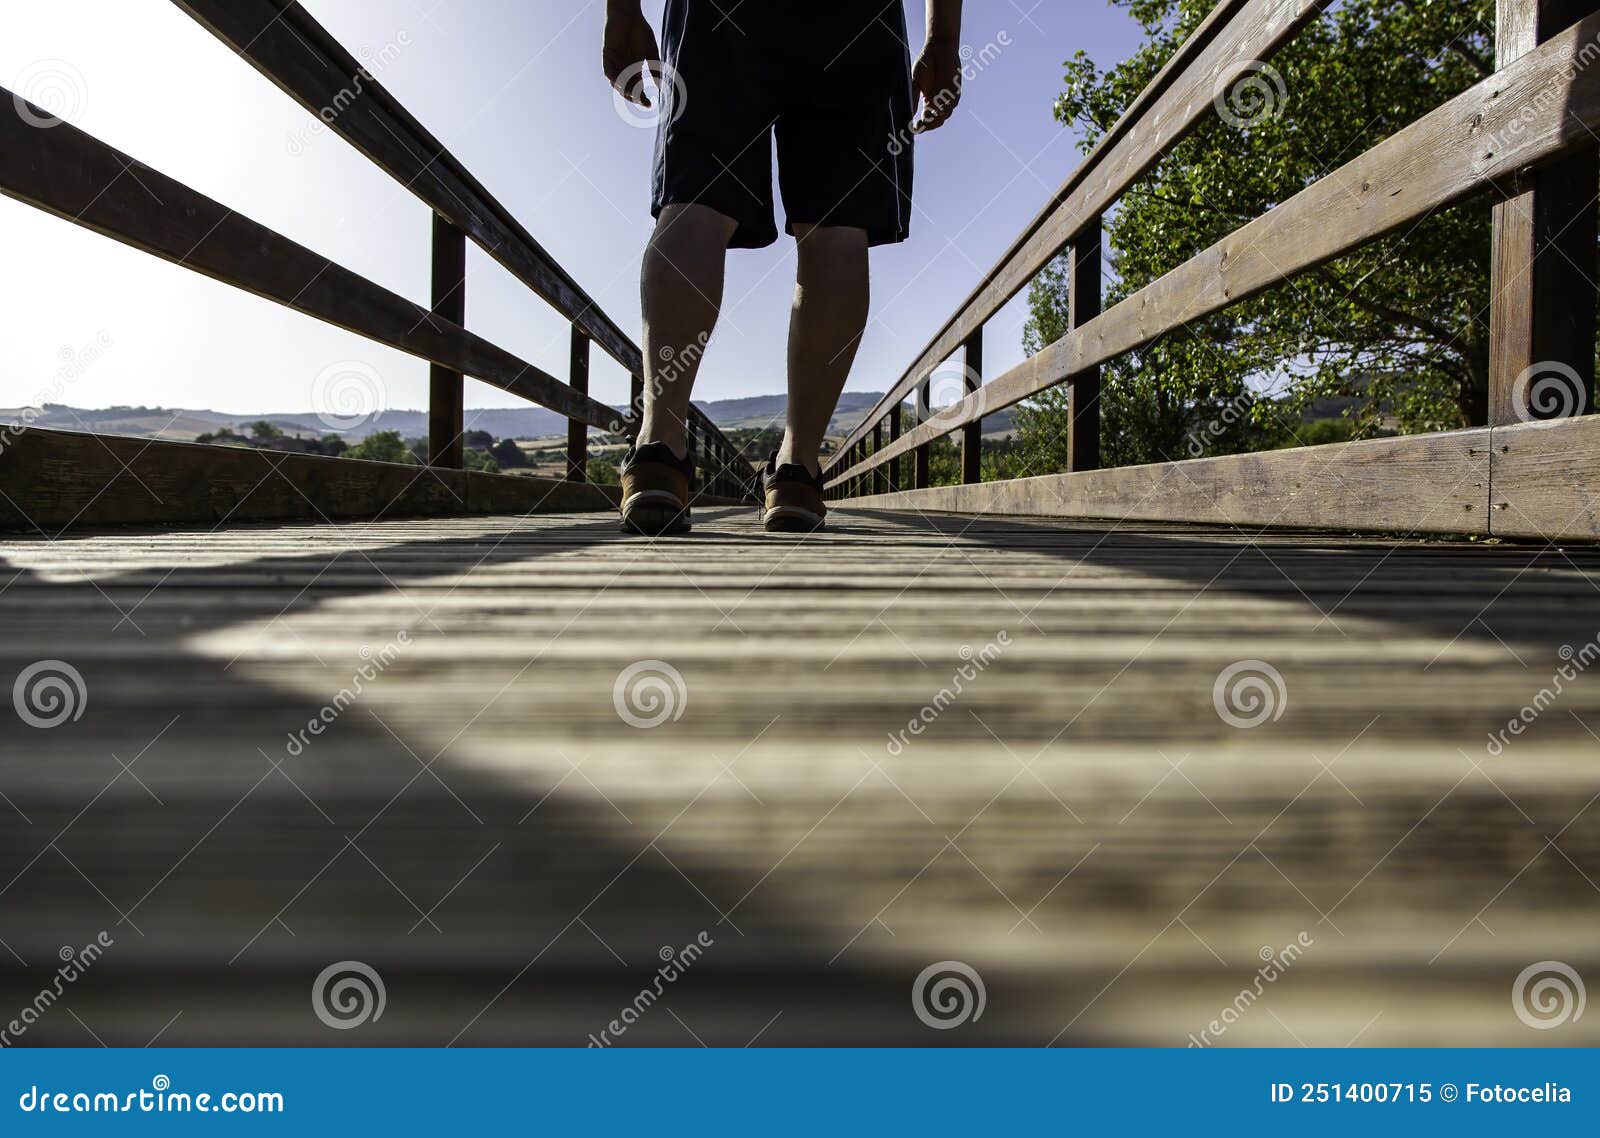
1079,824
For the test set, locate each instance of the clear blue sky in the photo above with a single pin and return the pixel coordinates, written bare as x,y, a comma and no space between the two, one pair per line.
513,87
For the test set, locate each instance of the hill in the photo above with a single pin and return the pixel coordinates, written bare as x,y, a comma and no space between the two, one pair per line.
184,424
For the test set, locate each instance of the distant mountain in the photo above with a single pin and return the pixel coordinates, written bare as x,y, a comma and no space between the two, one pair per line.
184,424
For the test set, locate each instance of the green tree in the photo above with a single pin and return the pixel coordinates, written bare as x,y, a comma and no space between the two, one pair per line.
1400,325
602,472
264,432
508,454
383,446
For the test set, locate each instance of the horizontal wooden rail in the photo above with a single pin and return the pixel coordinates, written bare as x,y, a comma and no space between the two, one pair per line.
282,41
1454,151
95,480
1416,484
77,177
1236,35
1536,480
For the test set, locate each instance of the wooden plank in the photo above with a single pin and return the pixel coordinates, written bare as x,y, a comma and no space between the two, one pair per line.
1420,484
446,386
1542,284
76,177
1506,123
282,41
59,480
1546,480
1235,37
1381,827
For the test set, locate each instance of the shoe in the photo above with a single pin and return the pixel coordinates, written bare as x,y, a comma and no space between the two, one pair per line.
791,498
655,490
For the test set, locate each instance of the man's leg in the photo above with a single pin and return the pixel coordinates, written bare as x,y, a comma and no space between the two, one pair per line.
681,289
830,312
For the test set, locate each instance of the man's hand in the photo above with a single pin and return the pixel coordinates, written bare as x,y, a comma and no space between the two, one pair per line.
630,50
937,78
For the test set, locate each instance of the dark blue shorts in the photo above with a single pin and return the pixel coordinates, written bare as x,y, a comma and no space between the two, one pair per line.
831,79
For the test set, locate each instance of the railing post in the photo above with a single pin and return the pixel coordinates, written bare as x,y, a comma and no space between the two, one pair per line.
921,475
879,474
1542,280
577,432
894,435
446,387
1083,390
972,433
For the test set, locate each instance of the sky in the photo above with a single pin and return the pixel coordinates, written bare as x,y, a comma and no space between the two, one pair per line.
514,89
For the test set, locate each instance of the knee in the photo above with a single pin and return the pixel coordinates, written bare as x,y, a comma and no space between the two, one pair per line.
691,231
832,245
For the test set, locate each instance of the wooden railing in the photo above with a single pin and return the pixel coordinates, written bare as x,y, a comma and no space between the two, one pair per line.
1523,137
71,174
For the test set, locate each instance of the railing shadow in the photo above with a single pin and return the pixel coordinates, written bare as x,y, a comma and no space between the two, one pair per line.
230,866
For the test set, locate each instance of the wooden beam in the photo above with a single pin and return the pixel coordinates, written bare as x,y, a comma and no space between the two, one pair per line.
52,481
879,480
1512,124
446,386
79,178
972,433
1546,480
578,433
1415,484
1236,36
1083,305
894,433
1542,285
922,474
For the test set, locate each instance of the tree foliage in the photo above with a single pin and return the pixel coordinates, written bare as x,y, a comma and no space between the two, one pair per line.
383,446
1399,328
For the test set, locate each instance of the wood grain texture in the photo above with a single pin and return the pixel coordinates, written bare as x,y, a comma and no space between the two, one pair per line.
1546,480
1542,280
1233,37
1078,823
1505,124
1420,484
59,480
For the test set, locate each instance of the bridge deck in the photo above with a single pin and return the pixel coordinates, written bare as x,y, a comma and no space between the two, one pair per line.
1078,823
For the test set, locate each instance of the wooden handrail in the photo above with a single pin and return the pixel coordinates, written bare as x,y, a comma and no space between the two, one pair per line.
69,173
282,41
1236,34
77,177
1488,136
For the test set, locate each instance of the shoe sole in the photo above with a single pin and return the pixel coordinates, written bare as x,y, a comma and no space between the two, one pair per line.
792,519
655,513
